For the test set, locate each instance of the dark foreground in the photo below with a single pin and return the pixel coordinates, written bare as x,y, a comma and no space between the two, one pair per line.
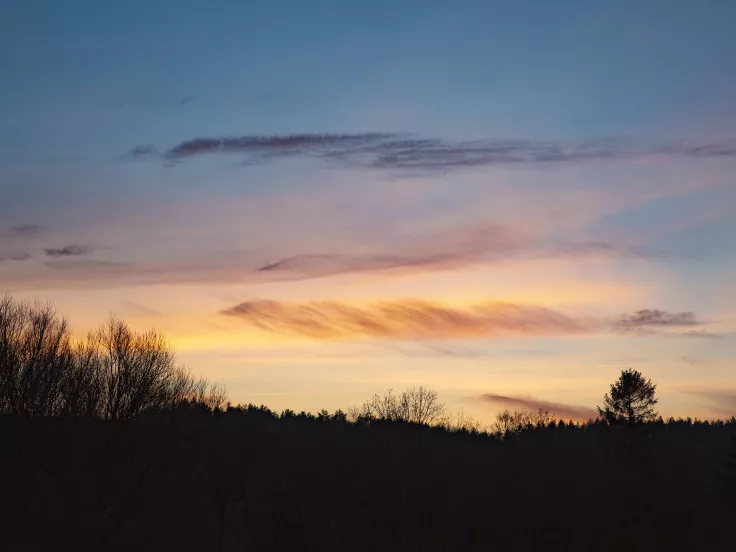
251,482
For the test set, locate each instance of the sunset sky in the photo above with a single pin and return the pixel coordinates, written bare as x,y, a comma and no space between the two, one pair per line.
316,200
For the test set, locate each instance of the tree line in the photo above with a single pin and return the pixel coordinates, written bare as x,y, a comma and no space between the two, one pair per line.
106,443
114,373
118,373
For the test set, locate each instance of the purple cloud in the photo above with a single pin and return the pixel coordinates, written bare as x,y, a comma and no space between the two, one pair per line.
72,250
405,152
565,411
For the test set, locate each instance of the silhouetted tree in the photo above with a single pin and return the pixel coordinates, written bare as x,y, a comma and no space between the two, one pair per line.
418,405
248,478
35,358
512,422
339,416
115,373
461,422
136,372
631,399
729,470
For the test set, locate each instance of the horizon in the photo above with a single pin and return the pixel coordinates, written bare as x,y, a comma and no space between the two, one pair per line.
316,202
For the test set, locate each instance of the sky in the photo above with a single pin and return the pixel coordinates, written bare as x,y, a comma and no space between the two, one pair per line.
508,202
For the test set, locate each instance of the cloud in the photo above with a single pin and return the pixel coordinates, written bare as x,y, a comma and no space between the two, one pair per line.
434,251
27,230
693,361
422,252
321,264
560,410
88,267
406,152
607,250
416,320
701,334
406,320
654,322
304,144
139,310
68,251
452,249
721,401
317,265
654,317
143,151
14,256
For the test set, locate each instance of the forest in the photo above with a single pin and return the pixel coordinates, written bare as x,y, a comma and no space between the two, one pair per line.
106,443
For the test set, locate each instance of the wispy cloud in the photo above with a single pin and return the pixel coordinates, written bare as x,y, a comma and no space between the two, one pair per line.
721,401
405,320
138,310
409,320
701,334
601,249
651,322
656,322
407,152
433,251
72,250
453,249
27,230
143,151
422,252
269,146
565,411
14,255
656,317
693,361
315,265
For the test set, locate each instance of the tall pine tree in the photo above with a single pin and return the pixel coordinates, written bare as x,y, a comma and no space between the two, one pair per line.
631,399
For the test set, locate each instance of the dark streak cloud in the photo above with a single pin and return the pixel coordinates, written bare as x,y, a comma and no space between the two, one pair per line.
27,230
276,145
654,317
701,334
88,267
14,256
565,411
143,151
405,152
68,251
656,322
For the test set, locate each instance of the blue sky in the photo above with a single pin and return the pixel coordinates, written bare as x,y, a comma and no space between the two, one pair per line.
572,156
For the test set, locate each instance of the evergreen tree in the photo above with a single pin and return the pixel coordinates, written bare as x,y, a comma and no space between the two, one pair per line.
631,400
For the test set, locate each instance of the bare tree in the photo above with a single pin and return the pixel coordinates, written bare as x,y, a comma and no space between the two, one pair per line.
463,422
115,373
378,407
419,405
136,372
513,422
83,384
35,358
201,392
